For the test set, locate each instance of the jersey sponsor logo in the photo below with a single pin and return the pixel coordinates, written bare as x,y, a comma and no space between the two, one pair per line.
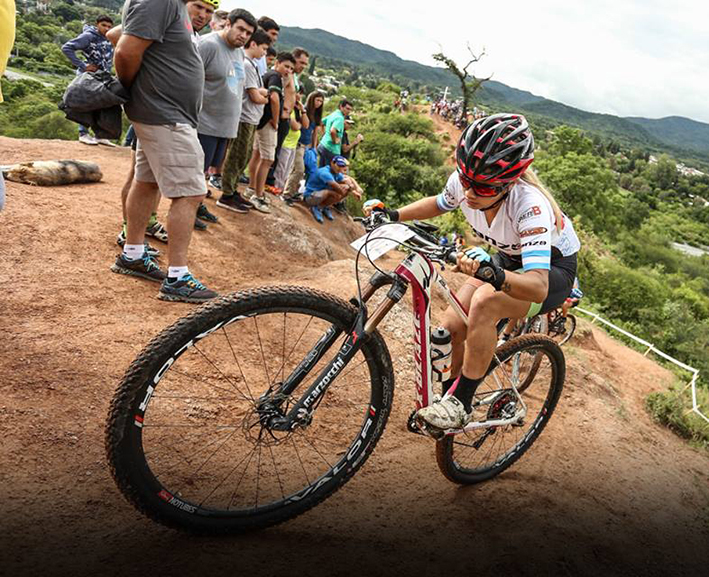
533,231
533,243
505,246
534,211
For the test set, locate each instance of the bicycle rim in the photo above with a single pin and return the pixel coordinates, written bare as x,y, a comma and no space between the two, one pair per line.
187,443
480,454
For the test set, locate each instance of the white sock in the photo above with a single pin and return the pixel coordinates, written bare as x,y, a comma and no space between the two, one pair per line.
177,272
133,251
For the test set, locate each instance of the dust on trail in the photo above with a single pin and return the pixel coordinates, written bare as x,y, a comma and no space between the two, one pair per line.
603,491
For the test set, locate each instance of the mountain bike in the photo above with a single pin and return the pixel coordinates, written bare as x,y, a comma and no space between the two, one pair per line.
259,405
553,324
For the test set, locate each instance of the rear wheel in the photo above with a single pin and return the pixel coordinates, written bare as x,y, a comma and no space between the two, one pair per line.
188,441
480,454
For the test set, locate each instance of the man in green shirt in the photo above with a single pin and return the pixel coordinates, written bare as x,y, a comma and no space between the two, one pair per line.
331,142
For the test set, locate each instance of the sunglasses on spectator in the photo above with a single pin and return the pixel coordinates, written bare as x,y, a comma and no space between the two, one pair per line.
480,190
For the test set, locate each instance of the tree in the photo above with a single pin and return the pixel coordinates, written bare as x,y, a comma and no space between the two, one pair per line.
584,186
469,87
566,139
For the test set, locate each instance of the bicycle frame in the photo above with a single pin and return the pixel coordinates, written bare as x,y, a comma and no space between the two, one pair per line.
415,271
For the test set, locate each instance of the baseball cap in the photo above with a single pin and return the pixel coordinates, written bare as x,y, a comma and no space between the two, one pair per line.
349,119
340,160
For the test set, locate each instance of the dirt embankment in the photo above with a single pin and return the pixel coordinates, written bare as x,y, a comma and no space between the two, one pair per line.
603,491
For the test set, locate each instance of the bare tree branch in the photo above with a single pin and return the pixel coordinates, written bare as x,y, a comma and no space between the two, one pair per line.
469,83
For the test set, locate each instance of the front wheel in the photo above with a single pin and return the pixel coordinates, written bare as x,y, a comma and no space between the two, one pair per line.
189,441
480,454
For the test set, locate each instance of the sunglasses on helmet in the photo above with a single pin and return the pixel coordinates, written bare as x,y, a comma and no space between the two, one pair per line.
481,190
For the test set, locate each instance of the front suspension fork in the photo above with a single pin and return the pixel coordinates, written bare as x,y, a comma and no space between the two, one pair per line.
362,330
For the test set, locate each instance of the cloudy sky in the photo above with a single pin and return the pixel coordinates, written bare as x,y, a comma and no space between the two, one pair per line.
625,57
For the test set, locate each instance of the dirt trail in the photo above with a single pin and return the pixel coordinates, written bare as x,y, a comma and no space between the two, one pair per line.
603,491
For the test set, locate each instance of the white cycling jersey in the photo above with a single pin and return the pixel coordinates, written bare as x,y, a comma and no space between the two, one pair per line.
524,228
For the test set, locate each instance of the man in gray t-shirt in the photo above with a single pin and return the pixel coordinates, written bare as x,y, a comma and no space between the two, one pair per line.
168,85
156,59
223,60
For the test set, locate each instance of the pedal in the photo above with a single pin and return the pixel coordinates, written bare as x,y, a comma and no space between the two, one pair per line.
420,427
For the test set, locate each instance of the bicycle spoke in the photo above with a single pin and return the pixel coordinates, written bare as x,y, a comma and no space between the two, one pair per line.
238,364
283,353
263,356
201,380
275,468
302,465
250,456
251,400
315,448
213,453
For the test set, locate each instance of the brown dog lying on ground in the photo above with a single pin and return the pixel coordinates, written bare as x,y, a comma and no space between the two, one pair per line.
53,172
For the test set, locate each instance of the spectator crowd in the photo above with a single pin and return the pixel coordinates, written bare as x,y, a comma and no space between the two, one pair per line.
453,111
214,109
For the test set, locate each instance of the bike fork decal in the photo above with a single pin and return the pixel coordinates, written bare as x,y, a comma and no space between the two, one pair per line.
422,345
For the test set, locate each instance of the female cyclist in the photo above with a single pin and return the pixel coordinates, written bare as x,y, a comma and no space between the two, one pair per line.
535,264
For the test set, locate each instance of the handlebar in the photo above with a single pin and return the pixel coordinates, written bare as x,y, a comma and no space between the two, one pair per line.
423,241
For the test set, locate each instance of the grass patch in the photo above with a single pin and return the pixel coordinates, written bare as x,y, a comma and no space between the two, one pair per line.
672,408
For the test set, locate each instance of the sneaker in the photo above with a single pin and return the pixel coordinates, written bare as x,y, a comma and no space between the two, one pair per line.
274,189
185,289
199,224
317,213
204,214
340,207
151,250
105,142
448,413
144,267
157,231
260,204
243,179
292,198
234,203
249,193
215,181
328,213
243,200
88,139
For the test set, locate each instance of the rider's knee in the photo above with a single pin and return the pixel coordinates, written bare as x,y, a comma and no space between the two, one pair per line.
454,325
483,306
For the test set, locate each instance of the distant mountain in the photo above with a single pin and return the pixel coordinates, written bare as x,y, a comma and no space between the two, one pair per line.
677,131
682,137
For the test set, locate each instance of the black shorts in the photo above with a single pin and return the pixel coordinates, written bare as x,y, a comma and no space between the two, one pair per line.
561,279
214,148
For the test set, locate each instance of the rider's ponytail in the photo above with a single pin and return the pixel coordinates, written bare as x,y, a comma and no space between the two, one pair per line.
530,177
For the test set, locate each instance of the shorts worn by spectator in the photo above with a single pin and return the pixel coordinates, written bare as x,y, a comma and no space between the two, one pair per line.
267,132
171,156
166,97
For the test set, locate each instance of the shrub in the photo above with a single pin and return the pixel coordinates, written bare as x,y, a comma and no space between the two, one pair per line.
672,409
